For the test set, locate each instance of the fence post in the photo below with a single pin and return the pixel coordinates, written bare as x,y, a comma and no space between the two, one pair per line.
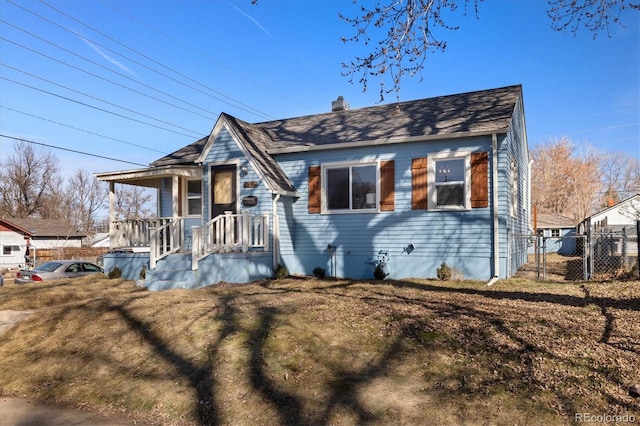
153,247
544,258
196,244
585,272
265,232
591,242
638,244
537,250
245,230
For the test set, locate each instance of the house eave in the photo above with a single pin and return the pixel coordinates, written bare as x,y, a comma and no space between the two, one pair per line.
385,141
149,177
16,228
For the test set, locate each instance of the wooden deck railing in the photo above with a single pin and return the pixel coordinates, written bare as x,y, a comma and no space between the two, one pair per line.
229,232
166,239
131,233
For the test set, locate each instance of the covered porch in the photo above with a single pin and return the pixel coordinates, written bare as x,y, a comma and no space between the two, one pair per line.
143,243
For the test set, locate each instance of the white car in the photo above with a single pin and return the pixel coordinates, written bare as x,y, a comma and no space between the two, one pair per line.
57,269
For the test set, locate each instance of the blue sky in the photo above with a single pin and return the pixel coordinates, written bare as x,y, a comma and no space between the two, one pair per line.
176,65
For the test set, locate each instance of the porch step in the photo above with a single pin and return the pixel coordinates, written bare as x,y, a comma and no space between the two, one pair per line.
174,271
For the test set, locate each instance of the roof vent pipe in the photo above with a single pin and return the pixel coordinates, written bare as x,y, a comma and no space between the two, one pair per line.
339,104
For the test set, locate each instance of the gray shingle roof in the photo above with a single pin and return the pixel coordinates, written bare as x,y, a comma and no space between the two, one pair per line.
48,228
554,220
479,112
474,112
185,155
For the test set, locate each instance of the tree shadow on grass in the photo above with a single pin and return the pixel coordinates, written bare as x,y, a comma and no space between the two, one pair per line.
344,384
524,351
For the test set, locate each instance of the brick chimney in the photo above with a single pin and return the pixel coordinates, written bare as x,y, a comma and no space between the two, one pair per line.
339,104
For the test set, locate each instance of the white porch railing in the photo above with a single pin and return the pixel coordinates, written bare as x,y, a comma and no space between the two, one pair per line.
165,239
229,232
134,232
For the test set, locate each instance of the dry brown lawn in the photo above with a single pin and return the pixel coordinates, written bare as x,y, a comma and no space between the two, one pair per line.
307,351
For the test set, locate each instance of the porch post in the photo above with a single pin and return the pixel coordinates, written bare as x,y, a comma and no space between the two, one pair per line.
175,190
112,212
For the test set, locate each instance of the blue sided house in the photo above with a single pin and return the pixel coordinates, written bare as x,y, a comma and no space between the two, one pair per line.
403,187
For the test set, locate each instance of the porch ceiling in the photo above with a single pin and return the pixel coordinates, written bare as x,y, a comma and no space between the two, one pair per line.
150,177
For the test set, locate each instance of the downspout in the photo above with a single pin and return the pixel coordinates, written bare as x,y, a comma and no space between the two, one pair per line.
276,231
494,198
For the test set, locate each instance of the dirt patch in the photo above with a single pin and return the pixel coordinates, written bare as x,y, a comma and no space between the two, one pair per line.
9,319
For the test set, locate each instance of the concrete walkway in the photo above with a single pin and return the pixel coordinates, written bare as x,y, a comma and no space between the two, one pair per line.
27,412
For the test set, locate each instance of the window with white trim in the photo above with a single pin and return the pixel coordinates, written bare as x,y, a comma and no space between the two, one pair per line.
350,187
7,250
449,178
194,197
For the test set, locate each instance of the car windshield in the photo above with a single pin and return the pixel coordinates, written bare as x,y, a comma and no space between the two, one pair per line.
47,266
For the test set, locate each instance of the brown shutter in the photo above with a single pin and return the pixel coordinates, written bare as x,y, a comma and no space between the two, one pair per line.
314,189
419,183
387,184
480,179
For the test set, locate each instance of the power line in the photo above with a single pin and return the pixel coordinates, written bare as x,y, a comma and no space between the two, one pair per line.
70,150
204,55
111,81
95,107
244,107
81,130
163,66
94,97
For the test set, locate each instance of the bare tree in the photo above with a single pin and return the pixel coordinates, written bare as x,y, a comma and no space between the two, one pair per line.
620,175
401,33
565,181
86,196
134,202
28,181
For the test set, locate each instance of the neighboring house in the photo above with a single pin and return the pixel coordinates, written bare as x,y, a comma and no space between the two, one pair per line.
37,234
614,217
99,240
613,230
13,243
404,186
559,233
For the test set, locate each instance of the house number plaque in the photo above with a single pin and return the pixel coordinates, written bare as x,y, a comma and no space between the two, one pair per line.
251,184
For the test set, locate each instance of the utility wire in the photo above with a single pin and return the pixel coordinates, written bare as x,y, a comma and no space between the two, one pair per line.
204,55
70,150
211,117
80,130
95,98
244,107
95,107
256,111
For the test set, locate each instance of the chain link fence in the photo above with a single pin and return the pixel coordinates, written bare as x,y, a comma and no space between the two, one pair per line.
597,255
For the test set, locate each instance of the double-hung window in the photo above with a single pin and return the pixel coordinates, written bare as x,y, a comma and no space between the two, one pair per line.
194,197
450,177
350,187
